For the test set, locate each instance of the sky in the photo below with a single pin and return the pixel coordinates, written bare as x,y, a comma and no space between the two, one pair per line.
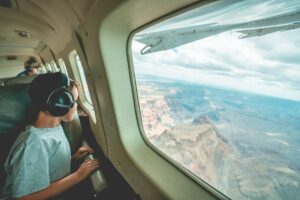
268,65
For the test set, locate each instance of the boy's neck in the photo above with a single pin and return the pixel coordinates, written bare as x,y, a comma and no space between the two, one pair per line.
46,120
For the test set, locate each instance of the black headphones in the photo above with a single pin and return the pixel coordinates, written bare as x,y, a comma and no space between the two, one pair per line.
60,101
28,70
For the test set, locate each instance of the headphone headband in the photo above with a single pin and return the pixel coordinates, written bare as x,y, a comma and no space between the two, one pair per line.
52,94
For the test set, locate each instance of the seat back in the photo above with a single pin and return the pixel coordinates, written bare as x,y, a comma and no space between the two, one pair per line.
73,133
15,113
19,80
2,82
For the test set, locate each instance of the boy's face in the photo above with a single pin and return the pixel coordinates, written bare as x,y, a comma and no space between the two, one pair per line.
33,71
70,115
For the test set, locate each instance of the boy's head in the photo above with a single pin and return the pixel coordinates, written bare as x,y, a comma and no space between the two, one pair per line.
50,93
31,66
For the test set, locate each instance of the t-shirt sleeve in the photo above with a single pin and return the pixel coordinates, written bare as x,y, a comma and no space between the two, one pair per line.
30,168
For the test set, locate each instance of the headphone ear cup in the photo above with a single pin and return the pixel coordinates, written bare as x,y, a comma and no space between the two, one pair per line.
28,70
60,102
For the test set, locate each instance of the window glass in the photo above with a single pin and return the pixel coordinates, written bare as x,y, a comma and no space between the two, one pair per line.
42,69
63,66
54,67
219,94
83,80
48,67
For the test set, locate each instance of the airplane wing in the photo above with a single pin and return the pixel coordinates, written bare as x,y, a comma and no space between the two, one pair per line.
168,39
264,31
172,38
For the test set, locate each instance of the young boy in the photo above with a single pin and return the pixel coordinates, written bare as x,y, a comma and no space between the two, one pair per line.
38,165
31,67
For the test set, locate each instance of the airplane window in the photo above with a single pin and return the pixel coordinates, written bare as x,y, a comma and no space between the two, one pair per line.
42,69
219,94
63,66
48,67
54,67
83,80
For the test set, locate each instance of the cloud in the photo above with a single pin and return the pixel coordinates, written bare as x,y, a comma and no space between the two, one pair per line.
267,65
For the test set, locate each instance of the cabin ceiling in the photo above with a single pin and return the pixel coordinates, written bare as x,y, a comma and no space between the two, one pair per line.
27,24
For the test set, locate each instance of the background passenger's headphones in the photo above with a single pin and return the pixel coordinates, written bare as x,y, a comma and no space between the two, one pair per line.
60,101
28,70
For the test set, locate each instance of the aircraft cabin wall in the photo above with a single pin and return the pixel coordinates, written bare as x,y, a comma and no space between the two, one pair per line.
10,66
113,84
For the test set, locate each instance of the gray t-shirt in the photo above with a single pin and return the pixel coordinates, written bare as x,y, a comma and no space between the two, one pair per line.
38,157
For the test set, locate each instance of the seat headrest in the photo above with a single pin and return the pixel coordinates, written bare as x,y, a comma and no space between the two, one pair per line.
15,106
19,80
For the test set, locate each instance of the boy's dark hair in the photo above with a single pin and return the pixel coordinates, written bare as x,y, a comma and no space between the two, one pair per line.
43,85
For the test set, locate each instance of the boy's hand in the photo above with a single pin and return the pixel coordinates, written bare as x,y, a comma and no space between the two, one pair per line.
82,152
86,168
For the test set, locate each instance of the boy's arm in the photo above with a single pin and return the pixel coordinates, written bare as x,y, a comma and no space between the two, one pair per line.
54,189
60,186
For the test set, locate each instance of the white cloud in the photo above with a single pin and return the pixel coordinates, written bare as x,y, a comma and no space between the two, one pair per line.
268,65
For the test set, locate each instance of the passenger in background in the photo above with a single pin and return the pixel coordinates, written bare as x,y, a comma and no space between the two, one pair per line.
31,67
38,165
